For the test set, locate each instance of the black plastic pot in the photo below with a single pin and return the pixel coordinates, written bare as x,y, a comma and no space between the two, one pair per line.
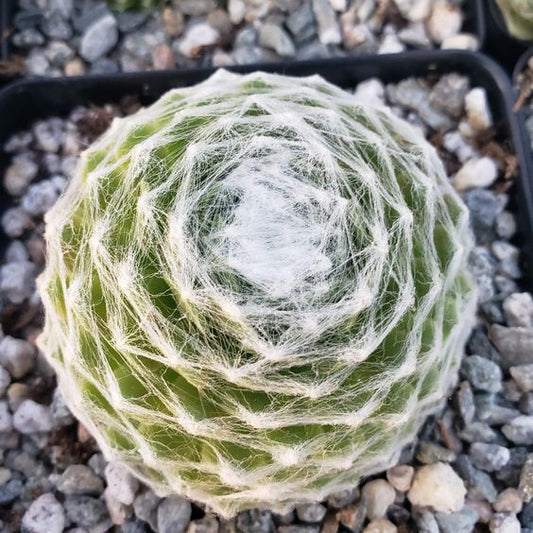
500,44
26,101
5,21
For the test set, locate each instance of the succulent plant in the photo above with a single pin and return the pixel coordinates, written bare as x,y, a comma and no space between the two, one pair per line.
518,16
256,290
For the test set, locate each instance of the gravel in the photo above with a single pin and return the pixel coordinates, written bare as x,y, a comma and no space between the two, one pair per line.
473,467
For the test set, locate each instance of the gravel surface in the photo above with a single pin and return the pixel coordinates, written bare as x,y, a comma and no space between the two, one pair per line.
472,466
74,37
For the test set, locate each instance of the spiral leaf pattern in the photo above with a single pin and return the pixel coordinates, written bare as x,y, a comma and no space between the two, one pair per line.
256,290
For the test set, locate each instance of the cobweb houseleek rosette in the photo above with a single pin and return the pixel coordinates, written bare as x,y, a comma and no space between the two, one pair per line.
518,17
256,290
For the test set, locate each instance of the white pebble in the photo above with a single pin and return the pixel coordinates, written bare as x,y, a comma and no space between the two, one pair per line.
518,309
479,172
17,281
504,523
117,510
477,109
18,176
6,420
196,36
32,417
45,515
17,356
371,91
378,496
508,501
15,222
439,487
414,10
380,525
391,45
40,197
445,21
120,483
461,41
236,10
523,375
454,142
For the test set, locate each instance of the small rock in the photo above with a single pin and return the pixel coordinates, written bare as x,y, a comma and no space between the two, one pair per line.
5,475
60,411
97,463
519,430
488,457
378,495
99,38
508,256
514,344
85,511
36,63
414,10
56,26
480,485
17,283
5,380
484,208
411,94
445,21
523,375
274,37
343,498
371,91
6,420
17,393
380,525
195,8
352,516
482,374
525,486
121,485
448,94
58,53
391,44
49,134
504,523
462,521
464,398
45,515
28,38
173,515
40,197
429,453
482,508
32,417
400,477
425,521
415,35
478,172
196,37
310,512
79,479
506,228
526,403
437,486
128,21
301,23
477,109
74,67
328,27
163,57
236,10
19,175
207,524
10,491
297,528
518,309
173,22
461,41
17,355
15,221
508,501
118,512
510,473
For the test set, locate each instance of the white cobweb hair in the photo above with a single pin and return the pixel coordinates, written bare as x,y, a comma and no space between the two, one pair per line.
256,290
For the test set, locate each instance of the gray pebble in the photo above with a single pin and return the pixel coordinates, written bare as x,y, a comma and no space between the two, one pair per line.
482,374
525,486
97,463
90,13
526,403
425,521
504,523
121,485
329,31
19,175
207,524
508,255
40,197
519,430
17,356
518,308
523,375
255,521
79,479
505,225
16,252
49,134
298,529
483,267
55,26
301,23
18,142
36,63
173,515
510,473
479,483
131,20
60,411
514,344
28,38
310,512
32,417
5,380
430,452
85,511
145,507
411,94
478,431
104,65
488,457
10,491
45,515
17,281
462,521
483,208
448,94
99,38
274,37
489,409
58,53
